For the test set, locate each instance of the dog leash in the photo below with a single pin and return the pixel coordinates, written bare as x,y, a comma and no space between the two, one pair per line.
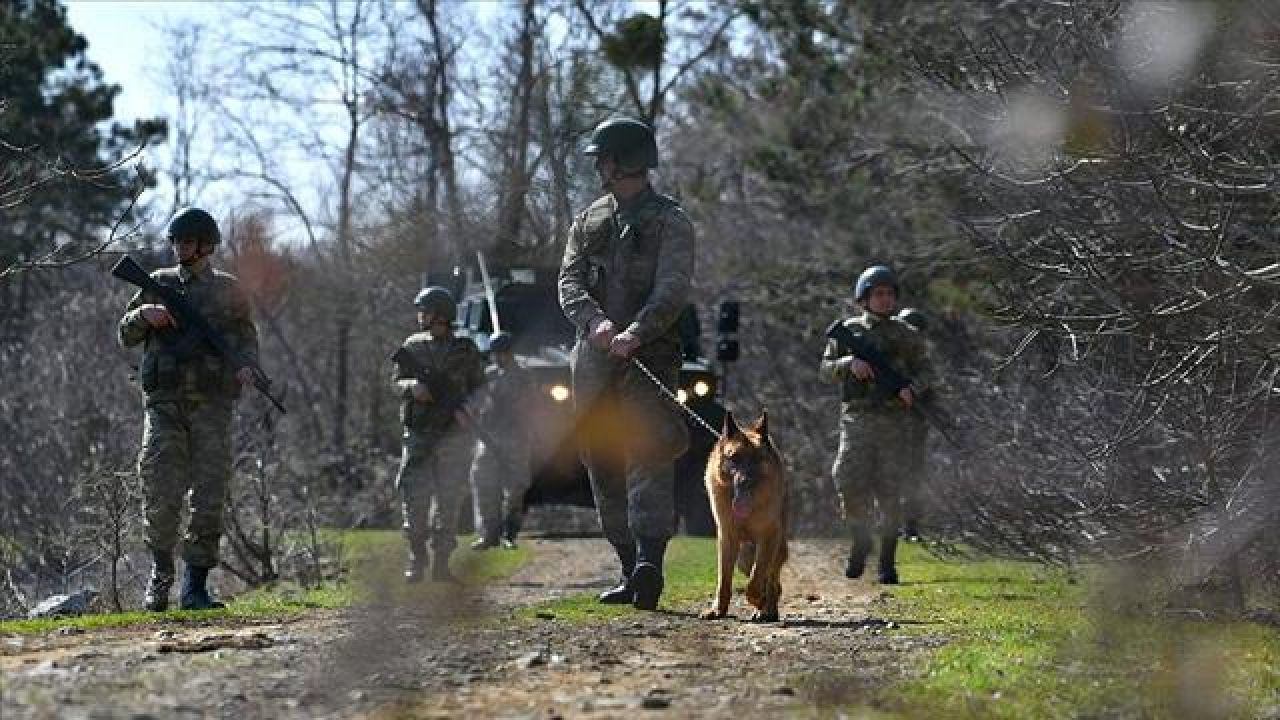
675,400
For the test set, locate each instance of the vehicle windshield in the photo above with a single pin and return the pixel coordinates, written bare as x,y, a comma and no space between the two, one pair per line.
532,313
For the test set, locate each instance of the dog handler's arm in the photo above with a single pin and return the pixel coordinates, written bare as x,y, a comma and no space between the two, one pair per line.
574,283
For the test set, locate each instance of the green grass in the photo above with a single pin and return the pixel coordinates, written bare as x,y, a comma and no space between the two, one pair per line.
690,561
372,558
1025,642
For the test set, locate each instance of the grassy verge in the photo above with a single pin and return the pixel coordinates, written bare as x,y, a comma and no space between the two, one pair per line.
690,561
370,558
1026,642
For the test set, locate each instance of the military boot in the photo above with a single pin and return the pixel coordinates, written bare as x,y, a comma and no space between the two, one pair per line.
413,572
157,598
911,530
440,567
195,596
858,552
621,594
485,542
888,566
511,528
646,579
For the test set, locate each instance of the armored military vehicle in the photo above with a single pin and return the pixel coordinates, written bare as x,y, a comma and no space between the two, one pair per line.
528,307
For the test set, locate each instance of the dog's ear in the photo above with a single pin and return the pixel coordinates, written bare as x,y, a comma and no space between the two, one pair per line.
730,426
762,425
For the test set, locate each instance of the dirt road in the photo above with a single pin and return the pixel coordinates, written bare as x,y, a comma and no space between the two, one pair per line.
459,653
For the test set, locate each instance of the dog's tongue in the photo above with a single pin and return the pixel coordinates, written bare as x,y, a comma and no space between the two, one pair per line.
741,507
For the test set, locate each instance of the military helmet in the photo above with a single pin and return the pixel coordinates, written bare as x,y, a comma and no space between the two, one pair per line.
914,318
871,277
193,222
630,142
500,342
436,300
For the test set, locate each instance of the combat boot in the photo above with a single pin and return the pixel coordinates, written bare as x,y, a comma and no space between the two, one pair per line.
414,571
888,565
646,579
157,598
911,530
511,529
440,567
621,594
485,542
858,553
195,596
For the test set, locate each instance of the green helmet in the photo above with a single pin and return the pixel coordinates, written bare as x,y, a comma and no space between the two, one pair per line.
914,318
436,300
500,342
193,222
871,277
628,141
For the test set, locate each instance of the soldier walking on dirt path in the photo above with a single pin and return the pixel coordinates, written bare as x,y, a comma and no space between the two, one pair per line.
500,474
189,393
432,481
625,277
878,433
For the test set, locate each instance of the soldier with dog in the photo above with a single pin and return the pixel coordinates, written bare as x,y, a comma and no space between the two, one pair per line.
624,280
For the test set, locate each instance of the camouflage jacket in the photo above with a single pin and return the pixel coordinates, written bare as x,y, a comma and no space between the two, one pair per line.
173,364
631,263
504,402
457,359
901,345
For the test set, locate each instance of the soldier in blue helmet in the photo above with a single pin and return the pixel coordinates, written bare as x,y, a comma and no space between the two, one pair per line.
877,430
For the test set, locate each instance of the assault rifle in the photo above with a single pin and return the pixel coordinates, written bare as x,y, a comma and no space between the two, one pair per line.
890,380
193,324
445,397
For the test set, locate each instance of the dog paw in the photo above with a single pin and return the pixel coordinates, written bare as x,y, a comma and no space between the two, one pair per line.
712,614
763,616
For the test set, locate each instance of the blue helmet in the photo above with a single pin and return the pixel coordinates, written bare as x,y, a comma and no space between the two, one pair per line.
436,300
871,277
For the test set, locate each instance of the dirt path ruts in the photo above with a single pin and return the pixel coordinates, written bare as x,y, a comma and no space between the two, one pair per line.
443,655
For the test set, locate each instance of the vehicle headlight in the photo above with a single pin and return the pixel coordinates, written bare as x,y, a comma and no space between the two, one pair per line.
559,393
702,388
682,396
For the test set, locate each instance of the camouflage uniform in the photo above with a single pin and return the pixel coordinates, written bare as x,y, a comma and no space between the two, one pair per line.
632,264
437,451
878,452
500,475
189,393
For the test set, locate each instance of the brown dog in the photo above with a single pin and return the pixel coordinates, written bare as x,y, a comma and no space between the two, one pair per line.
748,489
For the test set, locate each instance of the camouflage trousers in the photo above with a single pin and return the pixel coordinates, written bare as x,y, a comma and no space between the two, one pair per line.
499,478
874,466
631,440
186,448
432,483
